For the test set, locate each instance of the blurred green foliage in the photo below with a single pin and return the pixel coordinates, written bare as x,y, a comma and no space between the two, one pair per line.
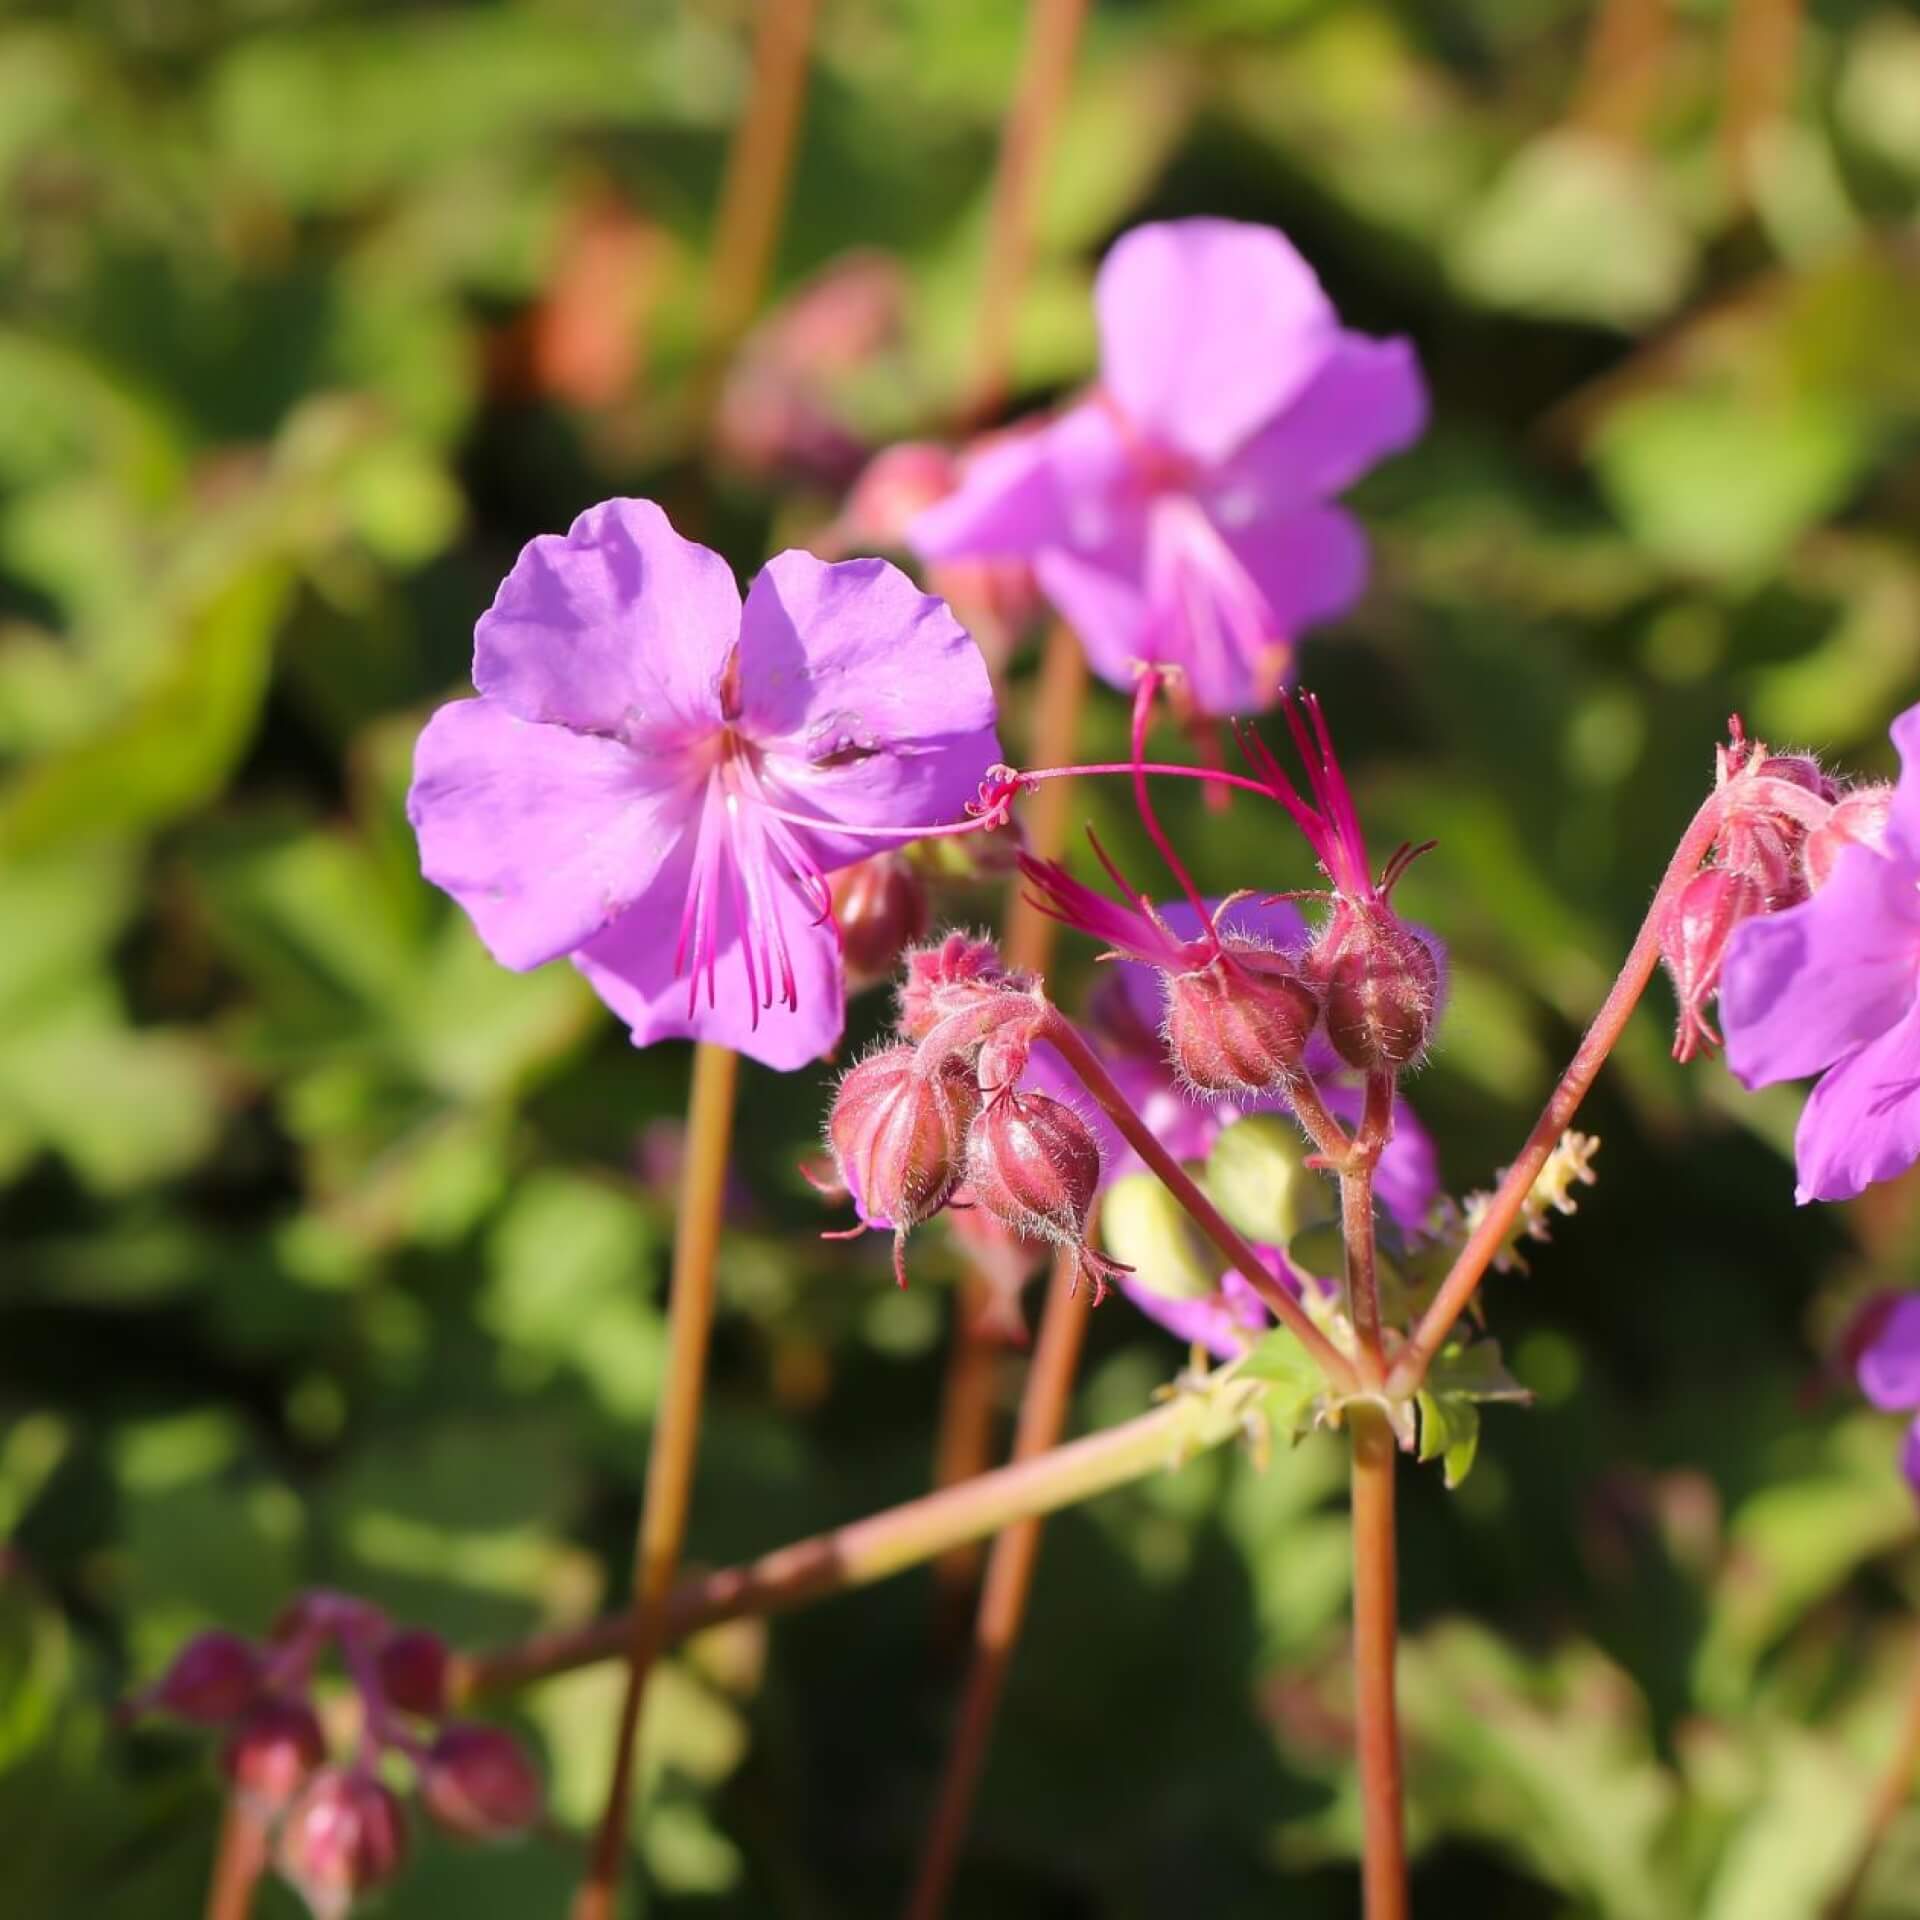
330,1253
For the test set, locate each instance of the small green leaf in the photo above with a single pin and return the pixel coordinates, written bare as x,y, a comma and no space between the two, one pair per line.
1449,1433
1476,1372
1296,1402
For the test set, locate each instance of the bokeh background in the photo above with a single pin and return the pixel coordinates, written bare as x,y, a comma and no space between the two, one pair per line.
330,1252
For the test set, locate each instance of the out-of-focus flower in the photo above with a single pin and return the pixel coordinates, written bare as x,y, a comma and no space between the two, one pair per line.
345,1836
1832,986
1887,1366
656,780
477,1784
1179,515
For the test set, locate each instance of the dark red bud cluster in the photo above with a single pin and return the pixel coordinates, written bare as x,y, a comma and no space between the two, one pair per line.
937,1120
1380,986
1783,825
880,906
340,1830
1240,1024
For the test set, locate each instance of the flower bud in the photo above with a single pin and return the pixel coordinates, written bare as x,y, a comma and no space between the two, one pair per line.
346,1835
1257,1175
321,1611
1380,983
880,907
1144,1225
269,1755
1034,1164
1858,819
1241,1023
413,1671
477,1784
896,1129
214,1677
945,979
1693,943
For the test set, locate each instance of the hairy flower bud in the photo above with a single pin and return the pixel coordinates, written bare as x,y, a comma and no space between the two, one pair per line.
214,1677
413,1664
944,980
477,1784
1693,943
1380,984
896,1130
880,907
344,1836
1241,1023
1034,1164
269,1755
1858,819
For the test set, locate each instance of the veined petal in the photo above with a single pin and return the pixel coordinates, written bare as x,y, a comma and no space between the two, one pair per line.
868,702
1861,1123
631,967
1367,401
618,626
1310,567
1889,1366
1058,485
1207,329
1803,987
543,835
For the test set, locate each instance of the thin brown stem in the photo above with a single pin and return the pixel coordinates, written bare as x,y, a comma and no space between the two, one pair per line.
1046,66
239,1863
1471,1264
1621,74
753,194
670,1457
1003,1600
882,1544
1375,1636
1061,1034
1059,700
1763,40
1894,1790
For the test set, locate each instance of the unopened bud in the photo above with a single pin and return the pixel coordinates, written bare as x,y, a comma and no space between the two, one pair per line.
945,979
413,1671
1144,1225
344,1836
1800,770
1380,983
269,1755
214,1677
896,1130
477,1784
1693,943
1858,819
1241,1023
880,907
1257,1175
1034,1164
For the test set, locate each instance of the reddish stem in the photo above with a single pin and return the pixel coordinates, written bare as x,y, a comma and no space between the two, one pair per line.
1375,1637
1465,1275
239,1863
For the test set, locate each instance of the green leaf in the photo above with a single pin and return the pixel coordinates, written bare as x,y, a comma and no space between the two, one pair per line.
1297,1403
1449,1433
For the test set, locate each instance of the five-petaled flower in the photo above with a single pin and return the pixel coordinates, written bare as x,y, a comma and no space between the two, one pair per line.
1832,986
1179,516
656,779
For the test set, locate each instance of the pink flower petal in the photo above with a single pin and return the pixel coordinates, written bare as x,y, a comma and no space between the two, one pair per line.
631,967
544,836
1207,329
869,702
1862,1122
618,626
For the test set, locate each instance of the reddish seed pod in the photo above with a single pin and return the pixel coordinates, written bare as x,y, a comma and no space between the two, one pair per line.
880,906
1858,819
946,979
345,1835
269,1755
896,1130
413,1666
1801,769
477,1784
1240,1024
1693,943
1380,984
214,1678
1034,1164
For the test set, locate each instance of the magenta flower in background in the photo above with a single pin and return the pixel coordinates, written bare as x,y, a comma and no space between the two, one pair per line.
656,779
1888,1369
1832,986
1179,514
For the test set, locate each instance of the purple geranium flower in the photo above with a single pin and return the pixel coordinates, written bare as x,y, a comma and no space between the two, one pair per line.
655,779
1178,515
1888,1369
1834,984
